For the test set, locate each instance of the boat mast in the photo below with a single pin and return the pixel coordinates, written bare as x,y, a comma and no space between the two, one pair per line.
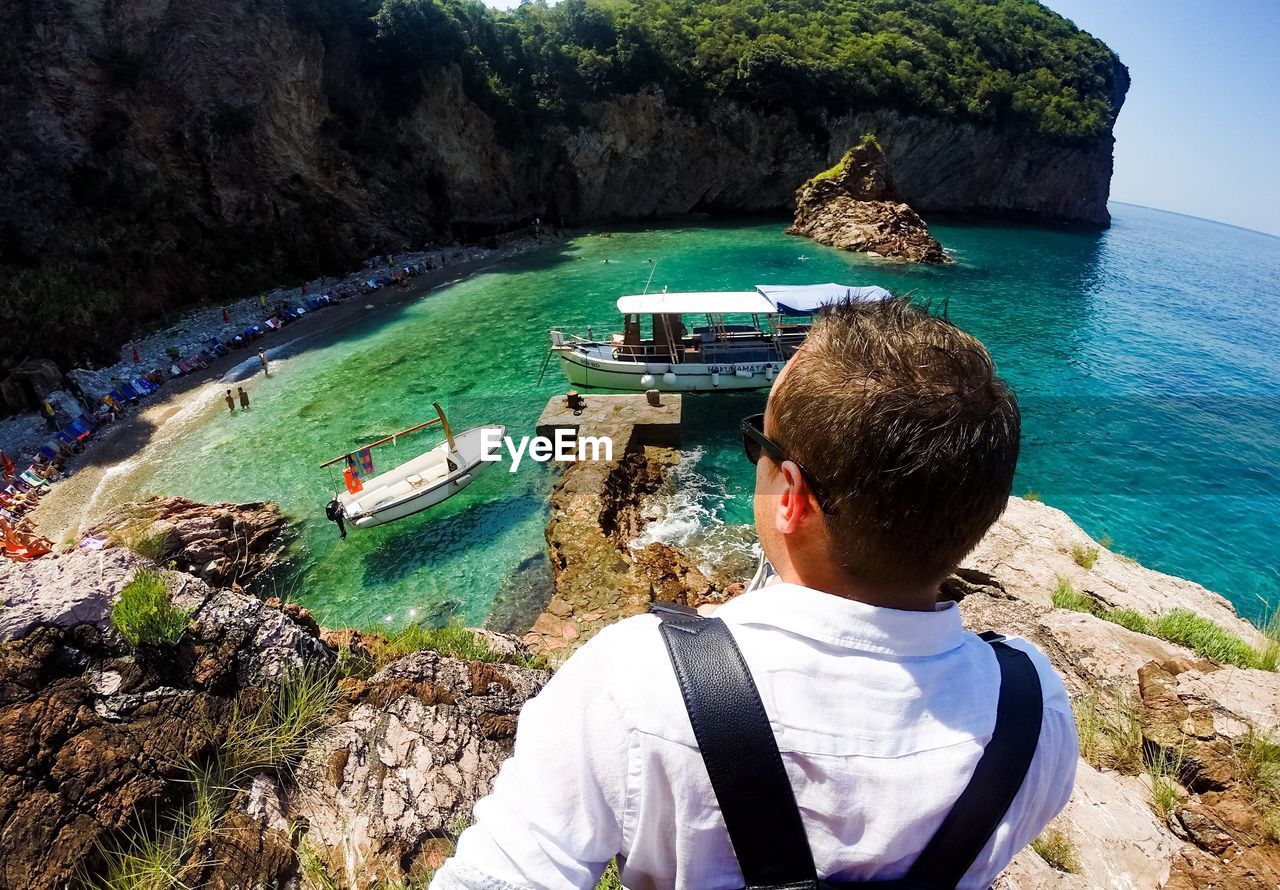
448,434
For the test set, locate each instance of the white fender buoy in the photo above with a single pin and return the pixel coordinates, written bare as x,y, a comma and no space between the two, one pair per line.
742,372
669,378
647,380
769,373
715,378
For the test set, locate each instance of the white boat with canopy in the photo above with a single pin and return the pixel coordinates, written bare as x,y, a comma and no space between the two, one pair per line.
430,478
744,339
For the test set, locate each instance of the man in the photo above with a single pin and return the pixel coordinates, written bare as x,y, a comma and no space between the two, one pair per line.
262,359
886,450
244,398
231,402
333,512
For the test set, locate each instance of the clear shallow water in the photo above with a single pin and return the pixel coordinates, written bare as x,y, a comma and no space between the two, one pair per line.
1145,358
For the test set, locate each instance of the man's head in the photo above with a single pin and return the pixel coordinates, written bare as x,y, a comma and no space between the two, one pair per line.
897,418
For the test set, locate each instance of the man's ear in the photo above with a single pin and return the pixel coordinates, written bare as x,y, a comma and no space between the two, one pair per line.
795,502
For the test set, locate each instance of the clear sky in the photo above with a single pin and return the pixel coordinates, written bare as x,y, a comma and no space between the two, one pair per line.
1200,128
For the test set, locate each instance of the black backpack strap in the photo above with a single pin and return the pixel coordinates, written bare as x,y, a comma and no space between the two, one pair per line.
996,779
739,750
755,795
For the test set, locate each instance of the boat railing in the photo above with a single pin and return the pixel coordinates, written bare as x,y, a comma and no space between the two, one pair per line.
725,347
759,350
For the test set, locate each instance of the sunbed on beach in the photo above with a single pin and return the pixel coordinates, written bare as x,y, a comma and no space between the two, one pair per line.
78,429
21,546
34,479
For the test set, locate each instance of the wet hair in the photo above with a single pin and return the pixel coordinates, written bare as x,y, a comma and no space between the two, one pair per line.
911,435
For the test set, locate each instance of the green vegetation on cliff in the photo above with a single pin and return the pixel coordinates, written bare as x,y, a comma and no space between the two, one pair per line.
1181,627
144,614
1013,62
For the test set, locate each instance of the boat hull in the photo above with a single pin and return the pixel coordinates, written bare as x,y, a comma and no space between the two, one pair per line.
468,466
594,373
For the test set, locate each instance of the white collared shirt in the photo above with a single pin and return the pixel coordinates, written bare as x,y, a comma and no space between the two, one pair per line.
880,715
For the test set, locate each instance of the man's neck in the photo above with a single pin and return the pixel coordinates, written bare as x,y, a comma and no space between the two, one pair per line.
841,585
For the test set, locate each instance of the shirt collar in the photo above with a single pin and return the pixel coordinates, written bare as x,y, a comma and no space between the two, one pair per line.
848,623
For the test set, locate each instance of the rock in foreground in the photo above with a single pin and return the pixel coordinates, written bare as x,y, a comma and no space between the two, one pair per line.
329,758
421,743
854,206
97,735
222,544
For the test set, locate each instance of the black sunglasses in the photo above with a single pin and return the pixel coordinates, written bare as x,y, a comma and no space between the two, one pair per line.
754,442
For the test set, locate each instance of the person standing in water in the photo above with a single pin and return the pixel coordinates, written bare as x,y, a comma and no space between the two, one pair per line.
262,357
231,402
244,398
333,511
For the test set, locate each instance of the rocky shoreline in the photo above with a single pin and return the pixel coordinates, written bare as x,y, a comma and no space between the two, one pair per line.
98,733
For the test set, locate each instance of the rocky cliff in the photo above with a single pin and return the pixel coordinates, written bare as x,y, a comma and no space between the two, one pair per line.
164,152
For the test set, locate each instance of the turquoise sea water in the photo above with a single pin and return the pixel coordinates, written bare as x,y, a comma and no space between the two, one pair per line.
1146,359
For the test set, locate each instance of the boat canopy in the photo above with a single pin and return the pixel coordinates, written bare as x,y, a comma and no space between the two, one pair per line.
806,299
766,299
712,303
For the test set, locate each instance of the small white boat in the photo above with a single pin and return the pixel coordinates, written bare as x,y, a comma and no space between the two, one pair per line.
718,355
431,478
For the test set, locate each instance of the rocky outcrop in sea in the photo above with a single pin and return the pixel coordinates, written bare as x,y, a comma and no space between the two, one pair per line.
855,206
101,739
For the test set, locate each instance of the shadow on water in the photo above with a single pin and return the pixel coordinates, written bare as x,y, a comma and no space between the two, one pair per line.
541,259
717,417
523,595
415,543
